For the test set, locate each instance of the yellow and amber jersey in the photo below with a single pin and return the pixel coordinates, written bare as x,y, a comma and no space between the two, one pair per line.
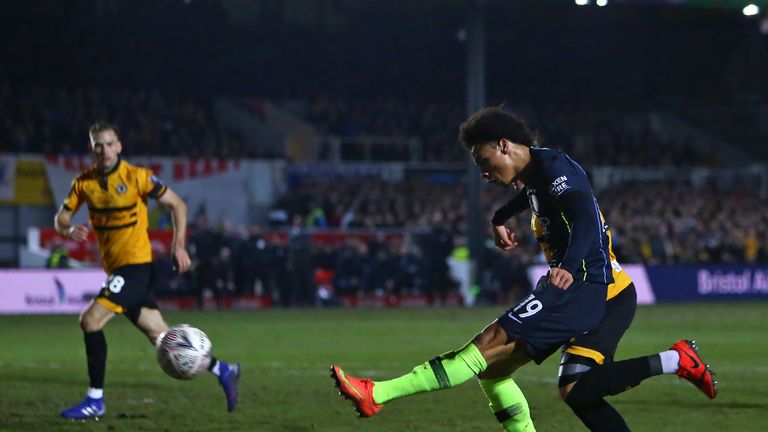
117,209
621,279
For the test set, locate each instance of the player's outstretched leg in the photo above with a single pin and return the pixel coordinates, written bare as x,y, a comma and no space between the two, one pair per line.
228,375
508,404
358,390
445,371
693,368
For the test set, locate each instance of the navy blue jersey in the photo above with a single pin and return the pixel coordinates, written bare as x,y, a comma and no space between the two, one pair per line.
568,218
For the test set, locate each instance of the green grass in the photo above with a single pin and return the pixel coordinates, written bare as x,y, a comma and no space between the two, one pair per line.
285,385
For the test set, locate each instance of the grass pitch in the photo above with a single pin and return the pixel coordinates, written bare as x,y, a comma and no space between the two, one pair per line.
285,385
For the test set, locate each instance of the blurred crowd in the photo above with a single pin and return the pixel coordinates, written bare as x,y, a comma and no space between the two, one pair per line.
679,224
592,137
291,265
409,232
370,203
676,223
657,223
42,119
39,119
652,223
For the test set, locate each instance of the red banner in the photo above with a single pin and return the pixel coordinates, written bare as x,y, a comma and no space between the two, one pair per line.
88,252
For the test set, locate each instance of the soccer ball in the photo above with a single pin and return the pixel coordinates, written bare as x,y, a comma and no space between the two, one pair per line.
184,352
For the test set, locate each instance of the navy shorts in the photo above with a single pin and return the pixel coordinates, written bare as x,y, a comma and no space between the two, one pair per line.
600,343
550,317
128,289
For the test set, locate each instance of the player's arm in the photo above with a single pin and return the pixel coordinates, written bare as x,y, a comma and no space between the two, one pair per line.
63,224
173,203
63,220
578,209
504,236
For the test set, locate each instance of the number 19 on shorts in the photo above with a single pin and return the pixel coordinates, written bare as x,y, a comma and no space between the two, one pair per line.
530,305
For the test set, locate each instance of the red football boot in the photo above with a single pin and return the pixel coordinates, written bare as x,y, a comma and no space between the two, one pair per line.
358,390
693,368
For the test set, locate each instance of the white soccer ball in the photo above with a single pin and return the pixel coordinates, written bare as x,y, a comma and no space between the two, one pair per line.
184,352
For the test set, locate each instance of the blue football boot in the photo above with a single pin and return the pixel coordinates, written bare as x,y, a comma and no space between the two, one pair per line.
89,408
229,374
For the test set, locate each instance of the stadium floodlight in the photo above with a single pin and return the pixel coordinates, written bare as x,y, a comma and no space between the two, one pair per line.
582,2
601,3
750,10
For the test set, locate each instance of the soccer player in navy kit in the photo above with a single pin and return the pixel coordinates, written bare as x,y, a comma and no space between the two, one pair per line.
568,302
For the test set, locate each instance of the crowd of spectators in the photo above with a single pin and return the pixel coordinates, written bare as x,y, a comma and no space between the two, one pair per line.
679,224
42,119
396,123
674,223
369,203
593,137
39,119
289,267
410,229
656,223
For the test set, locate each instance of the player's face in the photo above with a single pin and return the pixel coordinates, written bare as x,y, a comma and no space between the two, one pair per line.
496,162
106,148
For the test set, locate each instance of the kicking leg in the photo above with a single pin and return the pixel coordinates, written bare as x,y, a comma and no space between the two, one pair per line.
151,322
444,371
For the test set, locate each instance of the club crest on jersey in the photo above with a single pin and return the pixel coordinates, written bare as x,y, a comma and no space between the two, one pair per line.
122,188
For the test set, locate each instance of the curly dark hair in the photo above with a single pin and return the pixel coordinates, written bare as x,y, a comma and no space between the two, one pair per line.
493,124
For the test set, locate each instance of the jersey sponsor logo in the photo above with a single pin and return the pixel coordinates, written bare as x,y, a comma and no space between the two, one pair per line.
559,186
122,188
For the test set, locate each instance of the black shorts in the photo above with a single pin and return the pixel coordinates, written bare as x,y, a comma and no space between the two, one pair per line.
599,344
549,317
128,289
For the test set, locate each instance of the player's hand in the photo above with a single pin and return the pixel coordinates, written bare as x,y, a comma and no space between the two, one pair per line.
181,258
504,237
560,278
78,233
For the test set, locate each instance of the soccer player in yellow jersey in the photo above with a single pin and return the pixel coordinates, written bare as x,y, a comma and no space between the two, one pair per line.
115,193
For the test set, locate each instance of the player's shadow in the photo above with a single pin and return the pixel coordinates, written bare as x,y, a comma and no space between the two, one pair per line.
740,405
79,380
296,428
129,416
692,404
